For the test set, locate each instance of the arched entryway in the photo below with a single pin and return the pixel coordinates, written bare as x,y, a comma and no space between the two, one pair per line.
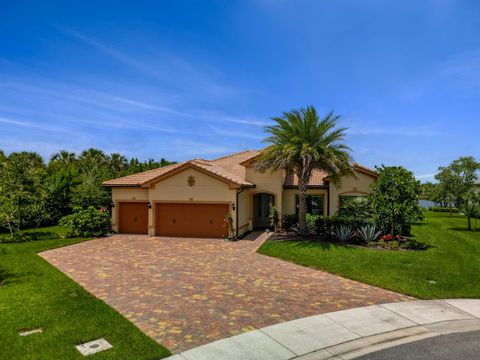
261,210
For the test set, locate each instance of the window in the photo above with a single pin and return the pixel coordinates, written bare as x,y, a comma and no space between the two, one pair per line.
314,204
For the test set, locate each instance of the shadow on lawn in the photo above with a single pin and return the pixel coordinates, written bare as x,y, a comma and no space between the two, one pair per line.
464,229
313,242
42,235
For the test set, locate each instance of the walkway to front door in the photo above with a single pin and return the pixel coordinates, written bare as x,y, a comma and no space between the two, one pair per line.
188,292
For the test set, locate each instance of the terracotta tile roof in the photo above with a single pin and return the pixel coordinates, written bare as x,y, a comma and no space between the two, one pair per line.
140,178
227,167
317,179
231,163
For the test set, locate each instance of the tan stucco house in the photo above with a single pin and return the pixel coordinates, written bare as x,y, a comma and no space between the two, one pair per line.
192,198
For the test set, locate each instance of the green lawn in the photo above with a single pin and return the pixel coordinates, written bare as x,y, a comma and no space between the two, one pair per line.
449,268
35,294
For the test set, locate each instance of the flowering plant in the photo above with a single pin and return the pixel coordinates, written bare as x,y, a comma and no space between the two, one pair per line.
389,237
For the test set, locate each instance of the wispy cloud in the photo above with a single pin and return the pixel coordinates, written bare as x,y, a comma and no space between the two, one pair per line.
371,130
19,123
120,56
167,67
236,133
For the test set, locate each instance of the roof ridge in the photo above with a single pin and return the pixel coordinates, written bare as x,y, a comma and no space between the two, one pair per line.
237,153
149,171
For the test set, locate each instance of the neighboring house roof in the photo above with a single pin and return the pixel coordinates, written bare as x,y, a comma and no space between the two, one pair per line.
229,168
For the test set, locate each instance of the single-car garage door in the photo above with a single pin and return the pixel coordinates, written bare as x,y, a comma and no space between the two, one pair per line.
191,220
133,217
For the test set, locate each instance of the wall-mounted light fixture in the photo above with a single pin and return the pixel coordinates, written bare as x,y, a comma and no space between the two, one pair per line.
233,206
149,205
113,205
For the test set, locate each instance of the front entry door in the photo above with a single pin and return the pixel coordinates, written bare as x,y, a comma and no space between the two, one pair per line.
262,203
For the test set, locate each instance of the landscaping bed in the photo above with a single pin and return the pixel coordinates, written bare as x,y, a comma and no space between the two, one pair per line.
447,268
34,294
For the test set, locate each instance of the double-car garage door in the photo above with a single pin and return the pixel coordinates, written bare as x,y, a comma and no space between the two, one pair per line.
175,219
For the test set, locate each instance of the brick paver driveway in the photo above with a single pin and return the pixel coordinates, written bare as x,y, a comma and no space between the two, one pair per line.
188,292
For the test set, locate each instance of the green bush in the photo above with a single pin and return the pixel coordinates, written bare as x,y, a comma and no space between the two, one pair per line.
288,222
313,224
17,237
357,207
88,222
443,209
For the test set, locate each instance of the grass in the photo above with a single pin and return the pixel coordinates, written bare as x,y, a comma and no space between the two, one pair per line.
449,268
35,294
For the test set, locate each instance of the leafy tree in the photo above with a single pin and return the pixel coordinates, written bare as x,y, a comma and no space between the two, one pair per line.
394,199
458,181
62,178
94,168
300,143
22,193
90,191
118,164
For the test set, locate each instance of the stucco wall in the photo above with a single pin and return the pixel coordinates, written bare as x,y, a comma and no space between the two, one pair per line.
268,182
120,194
175,189
289,204
243,208
349,186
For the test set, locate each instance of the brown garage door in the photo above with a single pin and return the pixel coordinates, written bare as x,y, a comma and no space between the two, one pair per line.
191,220
133,217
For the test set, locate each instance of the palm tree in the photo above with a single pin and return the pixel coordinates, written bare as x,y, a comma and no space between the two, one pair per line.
300,143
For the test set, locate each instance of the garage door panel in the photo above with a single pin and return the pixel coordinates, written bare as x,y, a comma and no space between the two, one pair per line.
133,217
191,220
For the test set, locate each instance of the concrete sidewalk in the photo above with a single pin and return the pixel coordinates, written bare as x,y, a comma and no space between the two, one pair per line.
345,334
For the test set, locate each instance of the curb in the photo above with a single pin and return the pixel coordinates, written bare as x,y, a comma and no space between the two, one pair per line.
345,334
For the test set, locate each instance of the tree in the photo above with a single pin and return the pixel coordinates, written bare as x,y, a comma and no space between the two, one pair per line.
300,143
118,164
63,177
22,193
458,180
394,199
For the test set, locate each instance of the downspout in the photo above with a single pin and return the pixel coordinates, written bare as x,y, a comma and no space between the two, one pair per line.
236,210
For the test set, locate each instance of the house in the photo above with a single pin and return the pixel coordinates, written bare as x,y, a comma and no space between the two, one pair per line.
193,198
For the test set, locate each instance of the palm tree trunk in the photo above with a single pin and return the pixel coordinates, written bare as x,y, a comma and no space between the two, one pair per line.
302,207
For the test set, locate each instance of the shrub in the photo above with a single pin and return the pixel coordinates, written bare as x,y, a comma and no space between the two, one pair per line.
88,222
289,222
443,209
16,237
395,199
343,232
369,233
313,224
357,207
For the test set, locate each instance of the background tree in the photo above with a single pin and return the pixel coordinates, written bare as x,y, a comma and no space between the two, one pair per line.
458,181
33,194
62,178
22,192
394,199
300,143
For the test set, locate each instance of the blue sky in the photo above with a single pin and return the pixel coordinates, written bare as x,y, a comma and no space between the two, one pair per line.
183,79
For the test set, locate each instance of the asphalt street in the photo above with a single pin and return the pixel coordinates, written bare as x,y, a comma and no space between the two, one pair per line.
460,346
